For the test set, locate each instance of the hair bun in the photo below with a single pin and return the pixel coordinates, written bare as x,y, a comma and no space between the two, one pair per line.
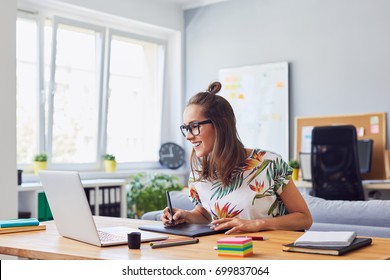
214,87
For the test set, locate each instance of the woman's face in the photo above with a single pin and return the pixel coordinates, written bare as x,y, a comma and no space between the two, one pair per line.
204,142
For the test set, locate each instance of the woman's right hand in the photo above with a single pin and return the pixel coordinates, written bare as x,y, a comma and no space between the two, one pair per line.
179,216
198,215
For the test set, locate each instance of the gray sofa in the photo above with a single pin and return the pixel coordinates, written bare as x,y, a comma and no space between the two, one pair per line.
367,218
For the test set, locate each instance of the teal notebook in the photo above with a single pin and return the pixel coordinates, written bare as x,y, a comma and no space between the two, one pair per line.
19,223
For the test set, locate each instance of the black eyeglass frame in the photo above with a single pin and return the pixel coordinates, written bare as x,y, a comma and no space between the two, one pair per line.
187,128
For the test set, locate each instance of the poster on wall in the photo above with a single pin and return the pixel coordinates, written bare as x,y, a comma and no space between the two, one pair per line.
259,95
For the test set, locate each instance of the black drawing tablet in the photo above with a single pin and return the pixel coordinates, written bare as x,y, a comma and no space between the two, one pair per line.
192,230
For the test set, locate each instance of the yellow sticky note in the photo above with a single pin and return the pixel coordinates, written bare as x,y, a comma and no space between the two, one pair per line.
232,95
280,84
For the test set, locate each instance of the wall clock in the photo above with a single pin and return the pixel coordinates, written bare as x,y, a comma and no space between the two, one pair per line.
171,155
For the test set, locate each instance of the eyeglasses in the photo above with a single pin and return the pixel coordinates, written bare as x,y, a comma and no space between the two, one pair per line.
193,127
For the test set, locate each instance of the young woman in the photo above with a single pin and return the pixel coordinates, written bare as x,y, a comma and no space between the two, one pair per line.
235,188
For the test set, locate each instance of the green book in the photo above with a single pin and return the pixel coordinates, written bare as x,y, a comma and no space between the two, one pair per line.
19,222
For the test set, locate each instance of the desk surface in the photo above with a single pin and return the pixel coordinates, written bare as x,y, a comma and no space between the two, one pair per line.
48,244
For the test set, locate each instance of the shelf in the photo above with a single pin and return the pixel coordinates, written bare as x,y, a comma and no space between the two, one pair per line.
30,200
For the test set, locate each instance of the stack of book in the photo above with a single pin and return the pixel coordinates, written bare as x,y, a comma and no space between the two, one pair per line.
235,246
19,225
327,242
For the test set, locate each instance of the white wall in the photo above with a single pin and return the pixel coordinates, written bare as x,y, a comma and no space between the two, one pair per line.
8,170
338,50
160,13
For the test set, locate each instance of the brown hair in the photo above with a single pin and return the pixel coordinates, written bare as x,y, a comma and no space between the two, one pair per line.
228,151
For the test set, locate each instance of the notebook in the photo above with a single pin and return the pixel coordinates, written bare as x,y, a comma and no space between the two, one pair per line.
357,243
72,214
191,230
19,222
326,238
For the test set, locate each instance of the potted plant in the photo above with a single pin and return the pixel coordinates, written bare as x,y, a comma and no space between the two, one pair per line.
40,162
109,162
147,192
294,164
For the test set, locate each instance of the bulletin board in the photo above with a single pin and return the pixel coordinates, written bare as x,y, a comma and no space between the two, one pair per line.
369,126
259,95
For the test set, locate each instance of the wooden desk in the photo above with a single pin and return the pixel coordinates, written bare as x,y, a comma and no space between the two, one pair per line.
49,245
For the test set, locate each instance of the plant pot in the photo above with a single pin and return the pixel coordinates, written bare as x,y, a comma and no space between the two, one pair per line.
295,174
39,165
110,165
140,213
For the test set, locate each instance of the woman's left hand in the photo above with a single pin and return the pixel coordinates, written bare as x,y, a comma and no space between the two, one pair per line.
236,225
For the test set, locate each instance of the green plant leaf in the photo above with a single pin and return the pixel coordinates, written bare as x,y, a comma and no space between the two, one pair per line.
42,157
293,163
108,157
147,192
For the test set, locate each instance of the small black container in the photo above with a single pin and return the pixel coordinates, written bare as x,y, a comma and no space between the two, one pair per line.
20,177
134,240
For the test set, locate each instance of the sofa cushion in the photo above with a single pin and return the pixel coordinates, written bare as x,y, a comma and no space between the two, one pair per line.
366,213
179,200
152,215
360,230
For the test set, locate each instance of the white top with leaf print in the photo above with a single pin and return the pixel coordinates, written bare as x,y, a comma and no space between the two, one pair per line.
252,194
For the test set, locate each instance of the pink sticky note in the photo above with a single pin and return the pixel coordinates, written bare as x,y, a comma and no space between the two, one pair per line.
234,240
374,129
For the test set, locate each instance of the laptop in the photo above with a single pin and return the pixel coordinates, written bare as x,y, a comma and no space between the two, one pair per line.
191,230
72,214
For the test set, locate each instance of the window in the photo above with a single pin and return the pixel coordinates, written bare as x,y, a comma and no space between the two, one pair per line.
134,104
27,94
86,89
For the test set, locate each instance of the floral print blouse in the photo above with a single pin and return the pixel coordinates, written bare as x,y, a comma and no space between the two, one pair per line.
254,192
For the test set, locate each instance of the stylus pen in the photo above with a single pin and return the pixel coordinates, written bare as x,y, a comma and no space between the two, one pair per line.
254,237
174,243
170,208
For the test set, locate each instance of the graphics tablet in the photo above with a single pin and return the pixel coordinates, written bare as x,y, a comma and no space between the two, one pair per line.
192,230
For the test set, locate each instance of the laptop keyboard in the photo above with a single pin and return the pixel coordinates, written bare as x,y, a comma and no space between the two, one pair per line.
109,237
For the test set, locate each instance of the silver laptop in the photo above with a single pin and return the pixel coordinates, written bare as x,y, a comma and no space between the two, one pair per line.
72,214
